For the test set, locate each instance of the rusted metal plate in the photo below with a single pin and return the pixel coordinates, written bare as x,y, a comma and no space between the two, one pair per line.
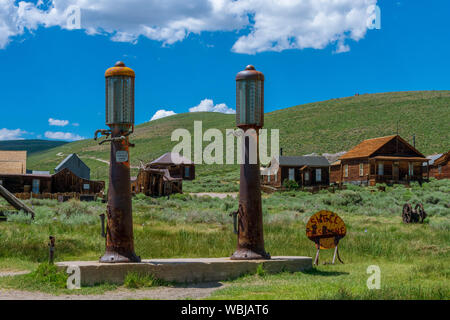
325,228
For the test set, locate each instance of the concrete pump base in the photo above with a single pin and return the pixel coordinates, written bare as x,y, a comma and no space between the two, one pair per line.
183,270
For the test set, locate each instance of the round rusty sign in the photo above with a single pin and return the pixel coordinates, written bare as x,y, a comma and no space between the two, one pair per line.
325,228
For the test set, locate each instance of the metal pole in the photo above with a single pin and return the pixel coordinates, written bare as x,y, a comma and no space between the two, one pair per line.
51,249
250,244
119,232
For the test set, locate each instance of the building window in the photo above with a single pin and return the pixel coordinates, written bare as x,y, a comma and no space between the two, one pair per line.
291,174
275,176
346,170
307,176
186,172
318,175
380,169
361,169
411,169
439,170
268,178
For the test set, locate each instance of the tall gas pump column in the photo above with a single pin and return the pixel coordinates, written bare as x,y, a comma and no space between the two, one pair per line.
120,119
250,118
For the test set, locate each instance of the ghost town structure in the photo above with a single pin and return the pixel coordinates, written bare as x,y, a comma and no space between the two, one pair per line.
388,159
163,176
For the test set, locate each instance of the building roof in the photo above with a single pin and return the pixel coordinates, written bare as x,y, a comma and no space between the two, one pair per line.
433,158
171,158
61,164
300,161
370,146
336,163
442,158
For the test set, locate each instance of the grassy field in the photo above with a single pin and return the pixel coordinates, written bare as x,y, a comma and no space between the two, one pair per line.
323,127
414,259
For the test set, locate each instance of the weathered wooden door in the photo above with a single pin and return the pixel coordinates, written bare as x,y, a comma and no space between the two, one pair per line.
36,186
395,171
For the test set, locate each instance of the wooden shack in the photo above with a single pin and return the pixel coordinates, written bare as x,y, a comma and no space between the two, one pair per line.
388,159
76,165
306,171
163,176
64,181
13,162
178,166
439,167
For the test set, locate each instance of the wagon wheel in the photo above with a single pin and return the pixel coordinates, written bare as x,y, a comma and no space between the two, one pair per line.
421,212
407,213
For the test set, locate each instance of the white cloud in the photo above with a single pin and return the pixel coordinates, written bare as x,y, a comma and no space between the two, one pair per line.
162,114
76,124
270,25
68,136
207,105
6,134
58,123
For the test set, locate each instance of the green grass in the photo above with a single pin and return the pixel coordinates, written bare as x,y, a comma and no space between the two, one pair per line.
335,282
329,126
414,259
134,280
48,279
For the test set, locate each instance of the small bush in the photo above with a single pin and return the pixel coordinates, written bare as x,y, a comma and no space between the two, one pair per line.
47,275
20,217
290,184
349,197
260,272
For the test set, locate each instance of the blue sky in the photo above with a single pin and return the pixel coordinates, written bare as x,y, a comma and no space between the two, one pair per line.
49,72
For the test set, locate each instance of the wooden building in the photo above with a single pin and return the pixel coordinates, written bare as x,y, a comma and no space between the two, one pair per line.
64,181
76,165
307,171
388,159
13,162
178,166
439,166
163,176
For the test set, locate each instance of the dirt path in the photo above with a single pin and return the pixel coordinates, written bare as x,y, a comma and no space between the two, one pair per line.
219,195
196,291
12,273
106,161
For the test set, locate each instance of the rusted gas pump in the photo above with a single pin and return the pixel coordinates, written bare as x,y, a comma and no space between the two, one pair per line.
120,119
250,118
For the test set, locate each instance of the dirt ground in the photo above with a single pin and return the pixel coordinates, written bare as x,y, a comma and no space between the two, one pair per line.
12,273
195,291
215,194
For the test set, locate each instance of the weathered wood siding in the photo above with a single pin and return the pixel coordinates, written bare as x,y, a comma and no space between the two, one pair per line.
67,181
442,173
13,162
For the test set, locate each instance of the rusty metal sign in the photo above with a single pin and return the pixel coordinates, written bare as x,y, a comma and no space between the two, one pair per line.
325,228
121,156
